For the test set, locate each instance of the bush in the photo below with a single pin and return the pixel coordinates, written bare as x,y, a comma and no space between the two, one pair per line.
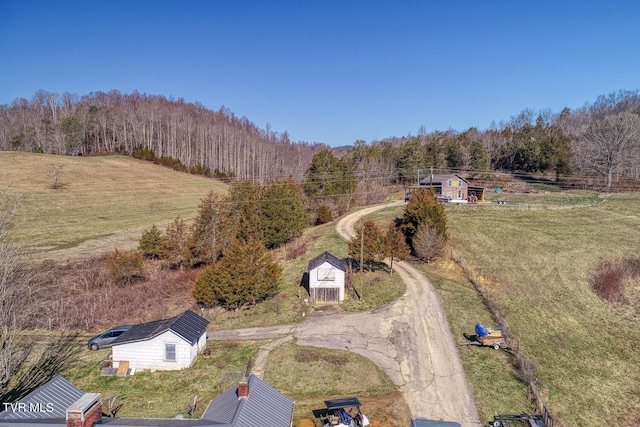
609,276
143,153
151,242
244,276
324,215
125,267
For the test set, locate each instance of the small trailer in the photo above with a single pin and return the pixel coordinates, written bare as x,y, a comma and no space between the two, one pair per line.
487,338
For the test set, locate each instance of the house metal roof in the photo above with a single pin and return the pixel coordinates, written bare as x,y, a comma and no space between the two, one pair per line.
188,325
327,257
439,178
264,406
50,400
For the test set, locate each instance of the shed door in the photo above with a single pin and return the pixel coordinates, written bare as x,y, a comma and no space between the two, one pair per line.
324,295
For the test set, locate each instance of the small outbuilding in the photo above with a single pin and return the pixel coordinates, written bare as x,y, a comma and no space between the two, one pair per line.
167,344
326,275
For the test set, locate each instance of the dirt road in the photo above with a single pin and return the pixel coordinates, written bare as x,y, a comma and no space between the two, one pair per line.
409,339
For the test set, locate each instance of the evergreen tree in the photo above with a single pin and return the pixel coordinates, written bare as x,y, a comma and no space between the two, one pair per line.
328,176
283,213
330,181
245,275
175,244
395,244
424,210
125,267
368,242
211,231
150,242
244,210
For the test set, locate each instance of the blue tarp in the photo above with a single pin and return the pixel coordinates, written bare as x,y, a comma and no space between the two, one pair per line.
481,331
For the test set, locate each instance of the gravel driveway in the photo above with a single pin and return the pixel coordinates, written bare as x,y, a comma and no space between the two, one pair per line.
409,339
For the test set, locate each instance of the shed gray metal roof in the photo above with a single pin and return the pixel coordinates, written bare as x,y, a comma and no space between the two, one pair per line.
188,325
327,257
264,406
50,400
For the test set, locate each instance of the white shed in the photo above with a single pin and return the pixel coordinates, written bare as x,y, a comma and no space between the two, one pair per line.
167,344
326,275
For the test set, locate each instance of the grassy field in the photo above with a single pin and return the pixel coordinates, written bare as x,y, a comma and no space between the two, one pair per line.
534,256
535,259
104,202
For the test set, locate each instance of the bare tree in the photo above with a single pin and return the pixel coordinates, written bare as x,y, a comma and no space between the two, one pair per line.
54,172
427,243
610,141
11,293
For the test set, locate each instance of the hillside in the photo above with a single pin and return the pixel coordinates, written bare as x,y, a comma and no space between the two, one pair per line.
103,203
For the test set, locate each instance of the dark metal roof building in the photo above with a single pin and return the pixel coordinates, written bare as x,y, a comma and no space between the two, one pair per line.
263,406
188,325
327,257
50,400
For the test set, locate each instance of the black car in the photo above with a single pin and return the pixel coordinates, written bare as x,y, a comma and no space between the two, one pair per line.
105,339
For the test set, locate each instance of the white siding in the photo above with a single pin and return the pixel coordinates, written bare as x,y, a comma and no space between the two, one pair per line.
333,278
150,354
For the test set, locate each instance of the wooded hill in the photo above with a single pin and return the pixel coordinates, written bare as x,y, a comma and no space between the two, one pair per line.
597,144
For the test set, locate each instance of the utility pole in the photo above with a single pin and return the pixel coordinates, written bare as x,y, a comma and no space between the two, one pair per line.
361,256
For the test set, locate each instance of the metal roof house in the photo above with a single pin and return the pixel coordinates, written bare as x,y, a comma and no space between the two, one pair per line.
326,274
452,187
49,401
251,403
167,344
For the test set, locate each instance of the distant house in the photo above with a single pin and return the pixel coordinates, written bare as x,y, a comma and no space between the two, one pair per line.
250,403
452,187
326,276
167,344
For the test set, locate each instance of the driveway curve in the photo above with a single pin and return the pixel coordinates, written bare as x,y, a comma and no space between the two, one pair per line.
409,339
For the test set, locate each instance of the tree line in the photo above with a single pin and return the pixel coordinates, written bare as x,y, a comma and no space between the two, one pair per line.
113,122
599,139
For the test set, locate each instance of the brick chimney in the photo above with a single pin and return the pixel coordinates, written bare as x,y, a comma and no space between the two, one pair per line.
86,411
243,388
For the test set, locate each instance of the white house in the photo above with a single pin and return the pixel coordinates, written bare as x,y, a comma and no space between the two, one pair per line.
326,274
168,344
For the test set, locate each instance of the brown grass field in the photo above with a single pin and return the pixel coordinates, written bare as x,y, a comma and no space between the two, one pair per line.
104,202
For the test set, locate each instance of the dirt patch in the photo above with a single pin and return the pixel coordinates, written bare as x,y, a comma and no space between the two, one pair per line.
324,310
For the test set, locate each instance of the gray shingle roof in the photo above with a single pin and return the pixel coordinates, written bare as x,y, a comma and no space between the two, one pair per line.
50,400
264,406
188,325
327,257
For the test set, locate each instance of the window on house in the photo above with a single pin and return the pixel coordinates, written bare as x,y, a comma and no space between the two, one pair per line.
450,184
325,274
170,352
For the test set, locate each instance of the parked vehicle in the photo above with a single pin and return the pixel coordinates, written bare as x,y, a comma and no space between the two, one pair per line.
105,339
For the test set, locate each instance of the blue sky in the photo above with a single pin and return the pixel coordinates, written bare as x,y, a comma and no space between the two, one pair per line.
329,71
